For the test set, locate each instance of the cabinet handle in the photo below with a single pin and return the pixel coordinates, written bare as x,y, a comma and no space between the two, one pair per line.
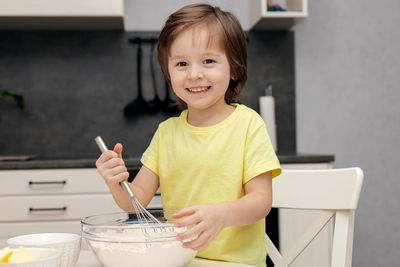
47,209
48,182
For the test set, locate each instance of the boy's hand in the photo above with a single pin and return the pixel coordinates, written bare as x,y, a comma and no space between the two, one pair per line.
208,221
111,166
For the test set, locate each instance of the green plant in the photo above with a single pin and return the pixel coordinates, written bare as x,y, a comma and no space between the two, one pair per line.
18,98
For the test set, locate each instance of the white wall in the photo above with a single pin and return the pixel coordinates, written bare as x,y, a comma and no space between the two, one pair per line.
347,96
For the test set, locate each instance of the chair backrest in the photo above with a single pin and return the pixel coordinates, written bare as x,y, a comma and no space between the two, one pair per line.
333,191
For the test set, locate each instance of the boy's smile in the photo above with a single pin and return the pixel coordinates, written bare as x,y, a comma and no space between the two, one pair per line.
198,89
199,70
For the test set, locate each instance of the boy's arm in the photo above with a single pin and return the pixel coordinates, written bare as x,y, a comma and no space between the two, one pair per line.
254,205
145,185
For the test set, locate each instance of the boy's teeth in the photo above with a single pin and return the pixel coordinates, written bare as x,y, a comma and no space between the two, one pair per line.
198,89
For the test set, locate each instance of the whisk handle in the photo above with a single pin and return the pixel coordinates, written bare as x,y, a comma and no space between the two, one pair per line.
100,143
127,189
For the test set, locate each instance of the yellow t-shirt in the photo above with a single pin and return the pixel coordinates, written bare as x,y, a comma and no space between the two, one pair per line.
209,165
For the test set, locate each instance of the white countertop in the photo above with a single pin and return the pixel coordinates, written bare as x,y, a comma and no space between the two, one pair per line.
88,259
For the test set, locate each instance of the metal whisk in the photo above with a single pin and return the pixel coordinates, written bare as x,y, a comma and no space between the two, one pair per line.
144,217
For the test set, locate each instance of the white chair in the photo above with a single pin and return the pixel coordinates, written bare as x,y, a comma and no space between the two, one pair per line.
335,192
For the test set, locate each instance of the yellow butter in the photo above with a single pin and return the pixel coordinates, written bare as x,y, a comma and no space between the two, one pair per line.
21,254
5,254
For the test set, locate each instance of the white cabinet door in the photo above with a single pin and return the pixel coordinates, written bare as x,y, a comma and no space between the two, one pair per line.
55,208
61,8
51,181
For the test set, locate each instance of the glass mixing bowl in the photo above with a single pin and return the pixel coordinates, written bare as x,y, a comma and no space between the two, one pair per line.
119,240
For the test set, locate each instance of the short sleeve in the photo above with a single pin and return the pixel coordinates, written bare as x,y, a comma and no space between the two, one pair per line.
150,156
259,155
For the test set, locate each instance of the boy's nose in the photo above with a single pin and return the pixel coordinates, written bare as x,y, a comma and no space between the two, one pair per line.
195,73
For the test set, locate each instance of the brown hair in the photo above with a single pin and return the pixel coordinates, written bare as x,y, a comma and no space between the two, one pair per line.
223,25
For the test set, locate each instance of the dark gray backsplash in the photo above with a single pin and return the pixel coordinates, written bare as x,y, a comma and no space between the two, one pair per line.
76,85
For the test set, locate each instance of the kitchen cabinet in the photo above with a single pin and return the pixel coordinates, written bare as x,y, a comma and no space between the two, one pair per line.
52,200
61,14
262,19
293,222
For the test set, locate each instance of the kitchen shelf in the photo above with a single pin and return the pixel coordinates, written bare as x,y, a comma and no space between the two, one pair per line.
262,19
61,14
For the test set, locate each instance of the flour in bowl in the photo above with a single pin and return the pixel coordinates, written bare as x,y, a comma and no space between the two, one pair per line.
135,247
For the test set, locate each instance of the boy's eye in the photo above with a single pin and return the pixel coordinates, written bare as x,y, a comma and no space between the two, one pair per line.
181,64
209,61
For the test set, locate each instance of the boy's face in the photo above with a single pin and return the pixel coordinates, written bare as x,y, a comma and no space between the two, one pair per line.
199,69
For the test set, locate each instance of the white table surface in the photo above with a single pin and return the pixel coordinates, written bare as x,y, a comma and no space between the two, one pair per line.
88,259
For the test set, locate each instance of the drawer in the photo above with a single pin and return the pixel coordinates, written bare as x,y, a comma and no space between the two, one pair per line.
56,208
51,181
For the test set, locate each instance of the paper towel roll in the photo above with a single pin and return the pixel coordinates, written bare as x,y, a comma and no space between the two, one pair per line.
267,112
